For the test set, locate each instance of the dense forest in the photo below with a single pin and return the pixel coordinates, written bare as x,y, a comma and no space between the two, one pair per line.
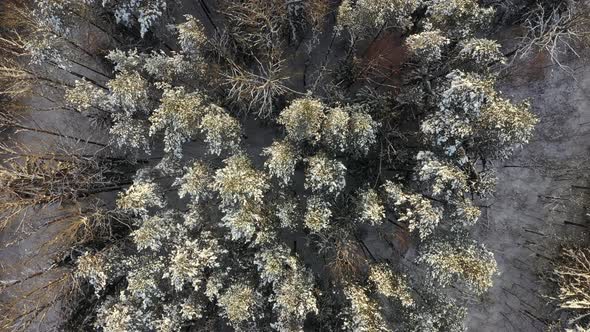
268,165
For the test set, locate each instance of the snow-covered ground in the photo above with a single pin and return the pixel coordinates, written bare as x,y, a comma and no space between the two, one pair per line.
538,202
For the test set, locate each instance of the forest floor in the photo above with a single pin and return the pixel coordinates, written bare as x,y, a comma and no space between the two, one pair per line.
540,198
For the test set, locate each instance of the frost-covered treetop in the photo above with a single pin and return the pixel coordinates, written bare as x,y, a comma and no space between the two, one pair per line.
191,35
145,13
239,182
282,159
178,114
303,120
363,16
325,175
141,196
